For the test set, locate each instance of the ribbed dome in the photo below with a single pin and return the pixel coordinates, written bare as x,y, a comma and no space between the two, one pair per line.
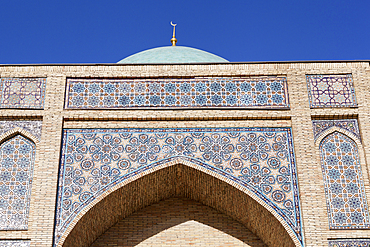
173,54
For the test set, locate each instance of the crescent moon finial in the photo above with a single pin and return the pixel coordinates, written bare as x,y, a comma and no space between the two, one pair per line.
173,40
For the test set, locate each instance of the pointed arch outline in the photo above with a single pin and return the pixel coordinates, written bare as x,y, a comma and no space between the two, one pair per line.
333,129
18,131
361,168
173,161
33,141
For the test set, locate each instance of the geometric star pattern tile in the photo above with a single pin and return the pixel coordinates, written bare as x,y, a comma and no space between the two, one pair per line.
331,91
351,125
32,127
349,243
344,188
16,167
14,243
268,92
259,159
22,93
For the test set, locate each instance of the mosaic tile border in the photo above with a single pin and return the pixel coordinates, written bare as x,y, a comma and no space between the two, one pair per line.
32,127
15,243
263,92
343,181
181,139
25,93
351,125
349,243
331,91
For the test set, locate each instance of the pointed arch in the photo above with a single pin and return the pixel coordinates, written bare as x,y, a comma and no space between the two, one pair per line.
178,177
18,131
333,129
344,188
17,157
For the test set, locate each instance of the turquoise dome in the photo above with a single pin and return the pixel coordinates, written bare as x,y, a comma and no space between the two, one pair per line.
173,54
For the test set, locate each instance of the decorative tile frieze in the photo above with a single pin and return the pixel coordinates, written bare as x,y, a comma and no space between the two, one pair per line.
349,243
22,93
15,243
259,159
32,127
17,157
351,125
266,92
344,188
331,91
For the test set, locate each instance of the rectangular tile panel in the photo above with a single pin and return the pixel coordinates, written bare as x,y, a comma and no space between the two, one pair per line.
264,92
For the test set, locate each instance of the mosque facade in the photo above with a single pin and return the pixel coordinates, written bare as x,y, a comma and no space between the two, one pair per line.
175,146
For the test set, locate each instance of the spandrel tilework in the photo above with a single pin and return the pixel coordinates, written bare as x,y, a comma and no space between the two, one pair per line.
351,125
15,243
344,188
16,163
331,91
350,243
32,127
260,159
22,93
210,92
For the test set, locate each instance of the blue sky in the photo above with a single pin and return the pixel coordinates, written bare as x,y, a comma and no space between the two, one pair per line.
107,31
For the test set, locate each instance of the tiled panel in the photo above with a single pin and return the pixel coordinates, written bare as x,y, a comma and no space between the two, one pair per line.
210,92
350,243
345,194
331,91
260,159
22,93
16,167
14,243
351,125
32,127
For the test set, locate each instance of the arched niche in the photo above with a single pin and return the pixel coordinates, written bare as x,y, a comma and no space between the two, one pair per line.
17,157
179,179
343,181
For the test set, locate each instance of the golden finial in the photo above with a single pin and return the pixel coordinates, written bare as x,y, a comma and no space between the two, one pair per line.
173,40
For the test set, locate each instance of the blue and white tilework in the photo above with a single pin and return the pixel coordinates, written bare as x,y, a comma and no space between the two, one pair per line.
32,127
260,159
331,91
349,243
15,243
209,92
351,125
344,188
22,93
17,157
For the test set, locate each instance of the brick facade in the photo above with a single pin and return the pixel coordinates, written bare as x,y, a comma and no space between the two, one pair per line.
316,91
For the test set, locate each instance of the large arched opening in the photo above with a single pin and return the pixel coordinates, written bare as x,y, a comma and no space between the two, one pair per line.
179,181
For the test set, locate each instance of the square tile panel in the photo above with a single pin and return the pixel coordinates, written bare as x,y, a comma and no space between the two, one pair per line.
331,91
22,93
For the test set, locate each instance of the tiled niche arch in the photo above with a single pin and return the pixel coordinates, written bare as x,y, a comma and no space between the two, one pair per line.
343,181
96,162
17,157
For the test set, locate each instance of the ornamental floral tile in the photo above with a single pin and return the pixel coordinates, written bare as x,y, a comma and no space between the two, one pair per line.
349,243
351,125
215,92
22,93
344,188
16,168
15,243
331,91
260,159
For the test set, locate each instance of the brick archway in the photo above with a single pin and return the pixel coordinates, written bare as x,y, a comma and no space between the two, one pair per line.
179,181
